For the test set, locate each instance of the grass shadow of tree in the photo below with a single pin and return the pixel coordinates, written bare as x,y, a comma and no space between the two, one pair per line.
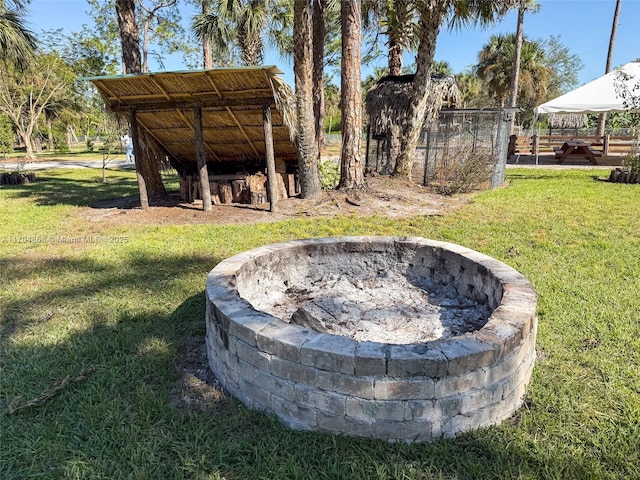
121,421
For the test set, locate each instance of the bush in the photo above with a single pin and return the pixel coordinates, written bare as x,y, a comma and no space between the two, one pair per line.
464,170
329,171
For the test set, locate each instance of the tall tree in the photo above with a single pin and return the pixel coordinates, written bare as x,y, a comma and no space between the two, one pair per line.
129,40
495,68
246,23
319,37
17,43
612,40
432,14
515,72
303,72
147,169
351,175
26,93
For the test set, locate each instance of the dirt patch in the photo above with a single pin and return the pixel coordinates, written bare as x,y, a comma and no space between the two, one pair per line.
197,388
384,196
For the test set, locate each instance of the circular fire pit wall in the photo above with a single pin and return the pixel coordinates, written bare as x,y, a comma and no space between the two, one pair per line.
385,337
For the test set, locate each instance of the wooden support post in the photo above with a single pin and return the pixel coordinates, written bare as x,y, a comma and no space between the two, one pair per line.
270,157
205,190
137,156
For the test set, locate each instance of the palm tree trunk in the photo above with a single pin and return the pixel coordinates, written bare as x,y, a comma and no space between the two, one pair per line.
612,40
395,57
207,51
351,175
515,73
303,72
430,18
319,34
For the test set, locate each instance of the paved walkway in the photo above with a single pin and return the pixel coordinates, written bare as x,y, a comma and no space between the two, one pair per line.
45,165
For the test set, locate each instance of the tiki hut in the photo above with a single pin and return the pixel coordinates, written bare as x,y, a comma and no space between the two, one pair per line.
221,129
387,103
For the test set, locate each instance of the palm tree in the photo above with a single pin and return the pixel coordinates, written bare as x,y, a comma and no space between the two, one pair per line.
17,43
524,6
244,22
495,68
303,71
215,30
612,40
432,15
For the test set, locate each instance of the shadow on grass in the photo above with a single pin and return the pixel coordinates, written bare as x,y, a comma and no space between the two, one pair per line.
53,188
120,422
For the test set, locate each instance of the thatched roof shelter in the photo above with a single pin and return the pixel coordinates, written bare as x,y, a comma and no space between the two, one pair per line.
387,102
226,120
231,101
566,120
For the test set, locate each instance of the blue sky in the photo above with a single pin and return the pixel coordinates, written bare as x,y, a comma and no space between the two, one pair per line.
583,25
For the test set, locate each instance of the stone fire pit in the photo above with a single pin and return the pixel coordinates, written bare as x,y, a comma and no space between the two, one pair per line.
386,337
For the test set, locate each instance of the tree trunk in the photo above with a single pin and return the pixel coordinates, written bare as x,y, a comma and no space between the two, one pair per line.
431,15
395,57
145,47
50,143
319,34
207,52
351,175
147,166
303,71
125,9
612,40
515,72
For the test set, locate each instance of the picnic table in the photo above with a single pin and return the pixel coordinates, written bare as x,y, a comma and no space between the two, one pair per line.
576,148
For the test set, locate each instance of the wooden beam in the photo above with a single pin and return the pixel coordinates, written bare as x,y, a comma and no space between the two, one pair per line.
137,156
205,189
158,103
244,132
191,126
270,157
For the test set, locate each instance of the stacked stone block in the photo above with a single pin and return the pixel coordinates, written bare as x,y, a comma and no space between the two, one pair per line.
414,392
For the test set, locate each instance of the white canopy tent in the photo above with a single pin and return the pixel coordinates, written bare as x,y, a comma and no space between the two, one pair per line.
596,96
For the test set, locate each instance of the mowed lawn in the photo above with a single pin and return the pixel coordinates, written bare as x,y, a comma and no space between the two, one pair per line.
113,317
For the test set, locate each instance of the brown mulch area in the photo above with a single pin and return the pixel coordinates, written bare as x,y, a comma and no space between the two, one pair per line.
383,196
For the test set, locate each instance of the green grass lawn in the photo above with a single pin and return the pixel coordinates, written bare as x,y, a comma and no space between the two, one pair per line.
121,307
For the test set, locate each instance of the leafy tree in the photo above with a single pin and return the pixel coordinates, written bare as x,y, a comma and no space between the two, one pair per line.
25,94
7,135
562,66
17,43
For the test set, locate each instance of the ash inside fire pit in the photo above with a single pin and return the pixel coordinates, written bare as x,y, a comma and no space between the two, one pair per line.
387,308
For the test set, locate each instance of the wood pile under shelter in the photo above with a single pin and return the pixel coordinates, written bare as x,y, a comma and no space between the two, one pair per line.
230,133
